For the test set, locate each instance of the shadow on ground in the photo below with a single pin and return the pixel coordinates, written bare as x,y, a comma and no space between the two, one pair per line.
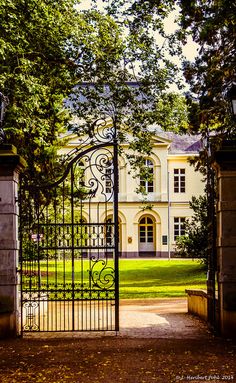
159,318
155,344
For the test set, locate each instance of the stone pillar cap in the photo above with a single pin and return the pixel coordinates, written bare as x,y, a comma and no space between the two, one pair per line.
225,157
10,158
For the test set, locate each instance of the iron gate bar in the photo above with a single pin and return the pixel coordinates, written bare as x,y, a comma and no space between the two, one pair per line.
48,302
72,252
116,221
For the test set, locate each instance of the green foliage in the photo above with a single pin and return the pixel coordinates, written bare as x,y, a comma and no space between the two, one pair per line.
131,88
48,49
36,73
194,243
130,72
212,24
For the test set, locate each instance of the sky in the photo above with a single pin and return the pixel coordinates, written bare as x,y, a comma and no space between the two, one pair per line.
189,50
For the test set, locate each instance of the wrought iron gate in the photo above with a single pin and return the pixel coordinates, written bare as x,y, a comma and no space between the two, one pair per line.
69,243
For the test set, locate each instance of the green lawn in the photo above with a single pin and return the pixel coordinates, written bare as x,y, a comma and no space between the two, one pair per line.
141,278
159,279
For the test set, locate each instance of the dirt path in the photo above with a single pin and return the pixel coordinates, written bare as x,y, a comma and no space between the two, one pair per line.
158,342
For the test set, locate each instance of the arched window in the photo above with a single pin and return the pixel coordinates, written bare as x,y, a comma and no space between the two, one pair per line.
147,234
109,232
146,180
146,230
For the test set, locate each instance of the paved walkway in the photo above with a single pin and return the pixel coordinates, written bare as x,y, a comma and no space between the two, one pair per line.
149,318
159,318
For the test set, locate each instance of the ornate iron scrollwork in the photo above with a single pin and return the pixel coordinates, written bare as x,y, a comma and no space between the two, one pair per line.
69,250
102,274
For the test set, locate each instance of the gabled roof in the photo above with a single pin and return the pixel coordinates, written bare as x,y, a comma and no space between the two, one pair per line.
159,139
180,143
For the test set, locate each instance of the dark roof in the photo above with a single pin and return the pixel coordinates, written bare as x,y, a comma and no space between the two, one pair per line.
184,143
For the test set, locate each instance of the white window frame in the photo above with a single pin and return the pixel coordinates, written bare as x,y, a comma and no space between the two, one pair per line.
147,185
179,180
179,227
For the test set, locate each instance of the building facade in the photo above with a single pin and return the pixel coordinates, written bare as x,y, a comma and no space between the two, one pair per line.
150,224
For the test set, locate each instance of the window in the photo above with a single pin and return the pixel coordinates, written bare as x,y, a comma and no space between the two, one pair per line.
109,231
108,178
81,182
179,227
179,180
146,181
146,230
164,240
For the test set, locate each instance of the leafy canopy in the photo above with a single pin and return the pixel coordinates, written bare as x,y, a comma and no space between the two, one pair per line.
131,88
48,49
37,69
212,25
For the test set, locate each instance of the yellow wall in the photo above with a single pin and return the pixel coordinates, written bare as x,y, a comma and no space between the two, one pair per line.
130,203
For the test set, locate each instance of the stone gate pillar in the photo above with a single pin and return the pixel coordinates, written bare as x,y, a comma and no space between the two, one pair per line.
226,237
10,165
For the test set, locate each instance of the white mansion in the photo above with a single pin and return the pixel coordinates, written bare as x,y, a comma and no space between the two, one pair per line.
152,232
